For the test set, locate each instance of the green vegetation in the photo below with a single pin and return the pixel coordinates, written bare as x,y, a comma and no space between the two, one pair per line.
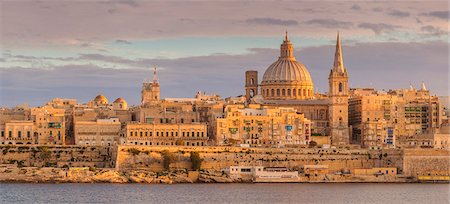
312,144
134,151
168,158
45,154
5,151
20,163
196,160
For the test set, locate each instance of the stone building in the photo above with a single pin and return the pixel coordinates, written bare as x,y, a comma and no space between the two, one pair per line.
102,132
372,115
18,132
287,83
261,126
194,134
50,125
41,125
401,113
150,92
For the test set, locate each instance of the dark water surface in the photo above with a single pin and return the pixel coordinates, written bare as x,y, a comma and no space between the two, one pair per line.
225,193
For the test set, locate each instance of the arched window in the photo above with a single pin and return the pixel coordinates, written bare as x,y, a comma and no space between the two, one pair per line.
273,92
289,92
252,92
340,87
294,93
304,92
283,92
299,92
278,92
252,81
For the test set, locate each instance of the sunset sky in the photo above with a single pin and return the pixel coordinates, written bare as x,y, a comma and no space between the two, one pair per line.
79,49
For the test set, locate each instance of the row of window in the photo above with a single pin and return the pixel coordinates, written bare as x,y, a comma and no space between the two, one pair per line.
168,143
170,120
162,134
19,133
286,92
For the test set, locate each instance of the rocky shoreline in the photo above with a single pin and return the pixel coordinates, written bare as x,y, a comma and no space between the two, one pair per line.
91,175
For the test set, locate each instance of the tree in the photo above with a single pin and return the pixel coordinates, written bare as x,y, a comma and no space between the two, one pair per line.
196,160
134,151
45,154
168,158
312,144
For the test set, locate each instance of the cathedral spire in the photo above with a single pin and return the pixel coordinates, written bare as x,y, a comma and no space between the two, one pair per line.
338,65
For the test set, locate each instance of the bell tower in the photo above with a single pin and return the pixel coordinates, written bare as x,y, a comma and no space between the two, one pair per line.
251,84
150,92
338,95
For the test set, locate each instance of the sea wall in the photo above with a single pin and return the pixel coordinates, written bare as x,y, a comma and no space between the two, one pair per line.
418,162
57,156
409,162
217,158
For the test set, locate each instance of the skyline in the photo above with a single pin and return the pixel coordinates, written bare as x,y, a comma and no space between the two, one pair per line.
401,45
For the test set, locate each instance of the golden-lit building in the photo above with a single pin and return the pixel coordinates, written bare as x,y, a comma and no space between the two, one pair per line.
18,132
286,78
103,132
150,93
403,116
194,134
262,126
50,125
287,83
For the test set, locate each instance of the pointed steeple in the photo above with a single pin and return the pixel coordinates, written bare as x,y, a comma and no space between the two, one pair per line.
338,65
423,87
286,49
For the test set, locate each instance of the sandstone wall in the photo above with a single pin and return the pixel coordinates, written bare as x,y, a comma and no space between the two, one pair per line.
57,156
218,158
426,162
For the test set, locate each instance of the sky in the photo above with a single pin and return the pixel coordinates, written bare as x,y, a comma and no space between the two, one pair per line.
79,49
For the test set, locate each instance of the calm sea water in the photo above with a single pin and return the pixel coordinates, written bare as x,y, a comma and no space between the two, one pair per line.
225,193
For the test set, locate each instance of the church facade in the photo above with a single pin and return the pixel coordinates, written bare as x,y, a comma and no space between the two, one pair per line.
287,83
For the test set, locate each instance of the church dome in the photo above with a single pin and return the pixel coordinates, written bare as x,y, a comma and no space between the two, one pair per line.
120,103
120,100
287,78
287,70
101,100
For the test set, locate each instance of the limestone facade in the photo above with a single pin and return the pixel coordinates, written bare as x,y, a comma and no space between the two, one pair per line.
262,126
194,134
103,132
287,83
17,132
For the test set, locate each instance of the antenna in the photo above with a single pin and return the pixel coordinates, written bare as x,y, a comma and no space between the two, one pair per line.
155,78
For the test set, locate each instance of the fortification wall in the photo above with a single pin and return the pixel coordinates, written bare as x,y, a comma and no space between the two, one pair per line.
426,162
217,158
57,156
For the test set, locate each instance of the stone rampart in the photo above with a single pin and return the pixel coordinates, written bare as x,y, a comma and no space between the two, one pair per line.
217,158
57,156
418,162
